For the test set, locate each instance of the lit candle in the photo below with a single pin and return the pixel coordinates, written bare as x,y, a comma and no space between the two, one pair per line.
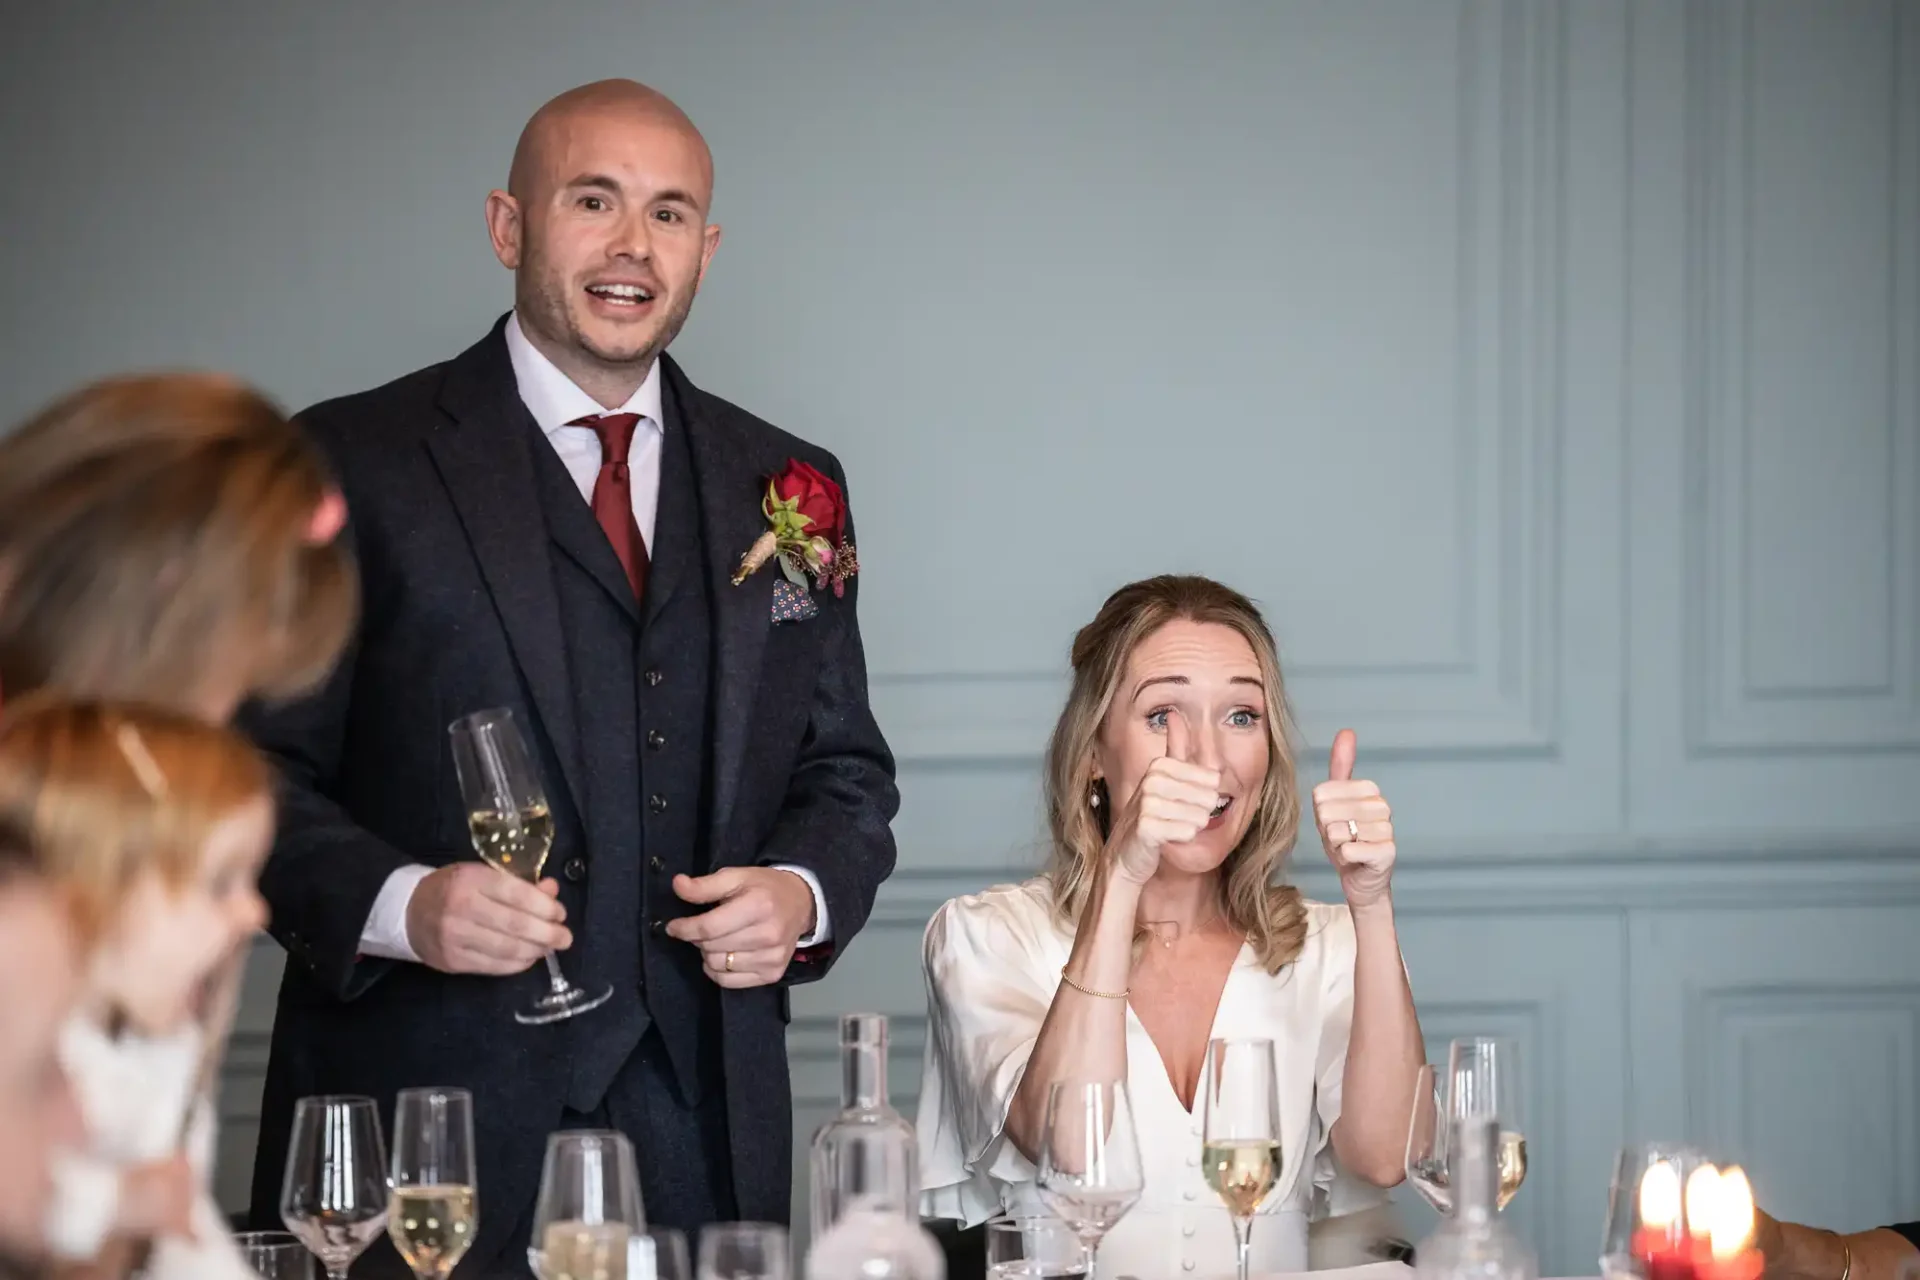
1731,1230
1660,1240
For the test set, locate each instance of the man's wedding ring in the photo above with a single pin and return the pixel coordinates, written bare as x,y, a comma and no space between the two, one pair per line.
1353,830
729,962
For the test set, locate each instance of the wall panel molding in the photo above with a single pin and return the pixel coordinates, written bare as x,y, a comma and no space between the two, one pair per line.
1495,687
1731,709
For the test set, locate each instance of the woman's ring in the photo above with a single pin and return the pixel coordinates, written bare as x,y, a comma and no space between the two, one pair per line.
1353,834
729,962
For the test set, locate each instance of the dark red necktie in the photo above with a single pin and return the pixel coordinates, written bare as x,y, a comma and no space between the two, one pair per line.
613,494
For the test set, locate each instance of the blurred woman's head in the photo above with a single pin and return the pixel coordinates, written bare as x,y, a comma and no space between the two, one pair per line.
1190,649
169,539
153,825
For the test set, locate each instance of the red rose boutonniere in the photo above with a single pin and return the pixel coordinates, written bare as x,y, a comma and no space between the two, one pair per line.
807,526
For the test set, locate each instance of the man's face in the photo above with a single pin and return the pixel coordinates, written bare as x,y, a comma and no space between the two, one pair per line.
612,238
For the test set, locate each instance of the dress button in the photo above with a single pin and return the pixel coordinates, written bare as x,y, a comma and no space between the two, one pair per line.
657,803
1186,1264
655,739
1187,1230
575,870
1193,1162
656,864
1191,1195
654,677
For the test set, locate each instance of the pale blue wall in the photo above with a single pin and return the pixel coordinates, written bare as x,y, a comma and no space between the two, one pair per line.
1548,369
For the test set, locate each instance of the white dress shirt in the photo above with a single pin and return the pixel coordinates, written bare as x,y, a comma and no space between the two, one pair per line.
555,403
993,964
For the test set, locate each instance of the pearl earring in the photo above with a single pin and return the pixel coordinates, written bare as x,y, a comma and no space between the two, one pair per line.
1093,797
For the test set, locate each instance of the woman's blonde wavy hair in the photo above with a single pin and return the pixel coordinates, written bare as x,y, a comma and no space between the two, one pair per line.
1272,915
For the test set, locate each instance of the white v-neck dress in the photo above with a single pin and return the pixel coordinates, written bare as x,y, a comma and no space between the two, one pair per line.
993,964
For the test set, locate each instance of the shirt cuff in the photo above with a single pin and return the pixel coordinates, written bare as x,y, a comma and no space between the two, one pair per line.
385,934
822,924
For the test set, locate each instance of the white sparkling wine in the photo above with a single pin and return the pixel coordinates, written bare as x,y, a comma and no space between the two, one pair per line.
513,842
432,1226
583,1251
1241,1173
1513,1165
1431,1180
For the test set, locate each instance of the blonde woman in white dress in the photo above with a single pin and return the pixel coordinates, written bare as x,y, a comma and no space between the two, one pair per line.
1172,806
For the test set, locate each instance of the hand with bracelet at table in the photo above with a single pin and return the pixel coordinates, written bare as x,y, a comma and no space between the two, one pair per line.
1797,1252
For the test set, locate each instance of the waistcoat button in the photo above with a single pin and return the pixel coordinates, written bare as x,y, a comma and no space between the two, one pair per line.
575,870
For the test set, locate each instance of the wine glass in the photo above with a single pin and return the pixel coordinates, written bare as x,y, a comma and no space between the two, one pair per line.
659,1253
1035,1249
589,1207
1482,1079
1240,1152
1654,1212
275,1255
335,1193
434,1210
1090,1172
744,1251
512,831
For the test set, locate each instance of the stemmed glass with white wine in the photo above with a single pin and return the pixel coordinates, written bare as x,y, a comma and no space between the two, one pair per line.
512,830
588,1218
1482,1079
435,1206
335,1193
1240,1149
1090,1173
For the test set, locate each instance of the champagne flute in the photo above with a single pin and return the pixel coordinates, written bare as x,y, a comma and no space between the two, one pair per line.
1090,1173
335,1193
434,1211
1035,1249
275,1255
512,830
1482,1079
1240,1152
744,1251
1486,1081
589,1207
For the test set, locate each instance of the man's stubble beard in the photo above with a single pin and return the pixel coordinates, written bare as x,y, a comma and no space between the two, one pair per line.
555,320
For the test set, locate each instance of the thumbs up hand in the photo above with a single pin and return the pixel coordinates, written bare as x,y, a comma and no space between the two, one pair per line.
1174,802
1356,826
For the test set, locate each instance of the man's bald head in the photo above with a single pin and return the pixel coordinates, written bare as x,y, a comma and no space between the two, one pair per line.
604,225
547,132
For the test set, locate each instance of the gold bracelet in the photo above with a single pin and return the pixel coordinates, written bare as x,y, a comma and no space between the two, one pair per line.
1846,1251
1117,995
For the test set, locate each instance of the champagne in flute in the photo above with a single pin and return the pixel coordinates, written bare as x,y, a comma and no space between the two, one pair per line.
435,1211
514,841
1240,1146
334,1197
1241,1172
512,830
1482,1079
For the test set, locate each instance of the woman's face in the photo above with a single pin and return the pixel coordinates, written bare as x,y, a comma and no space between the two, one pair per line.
167,942
1207,676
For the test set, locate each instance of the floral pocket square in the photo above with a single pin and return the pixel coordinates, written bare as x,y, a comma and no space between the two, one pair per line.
792,603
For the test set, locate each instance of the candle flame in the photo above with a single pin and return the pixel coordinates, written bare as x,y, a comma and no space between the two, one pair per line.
1732,1224
1659,1196
1703,1200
